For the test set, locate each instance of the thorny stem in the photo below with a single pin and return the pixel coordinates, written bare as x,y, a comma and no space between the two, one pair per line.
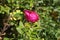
5,27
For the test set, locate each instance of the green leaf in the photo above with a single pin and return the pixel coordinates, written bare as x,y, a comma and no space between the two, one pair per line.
6,38
20,27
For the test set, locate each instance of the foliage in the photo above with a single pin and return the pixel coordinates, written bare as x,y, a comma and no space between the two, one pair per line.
13,25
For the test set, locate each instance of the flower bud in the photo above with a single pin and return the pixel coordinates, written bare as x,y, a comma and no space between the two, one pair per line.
31,16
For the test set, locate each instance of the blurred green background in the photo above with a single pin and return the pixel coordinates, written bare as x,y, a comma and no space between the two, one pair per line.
46,28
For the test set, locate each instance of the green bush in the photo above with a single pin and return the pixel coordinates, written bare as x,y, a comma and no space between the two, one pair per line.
14,26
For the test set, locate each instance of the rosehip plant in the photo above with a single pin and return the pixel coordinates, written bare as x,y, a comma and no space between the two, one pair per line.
31,16
29,19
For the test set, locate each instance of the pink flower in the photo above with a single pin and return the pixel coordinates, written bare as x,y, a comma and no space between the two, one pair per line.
31,16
